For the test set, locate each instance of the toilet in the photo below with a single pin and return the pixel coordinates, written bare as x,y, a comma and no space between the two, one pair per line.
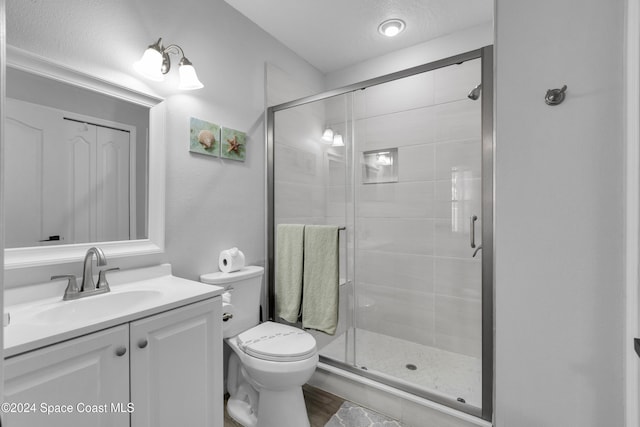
270,361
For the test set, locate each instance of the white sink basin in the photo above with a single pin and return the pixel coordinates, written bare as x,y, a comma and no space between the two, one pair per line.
39,316
97,306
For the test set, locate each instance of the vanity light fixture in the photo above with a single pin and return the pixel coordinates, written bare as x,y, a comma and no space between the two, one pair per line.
333,138
391,27
327,135
155,63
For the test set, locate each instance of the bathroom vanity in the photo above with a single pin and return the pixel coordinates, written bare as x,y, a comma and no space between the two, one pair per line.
148,353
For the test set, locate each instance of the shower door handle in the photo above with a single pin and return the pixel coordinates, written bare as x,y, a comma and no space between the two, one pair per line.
472,230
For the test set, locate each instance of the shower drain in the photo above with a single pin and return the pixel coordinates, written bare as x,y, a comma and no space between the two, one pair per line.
411,366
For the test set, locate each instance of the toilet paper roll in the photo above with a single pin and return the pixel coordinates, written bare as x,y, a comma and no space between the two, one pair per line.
231,260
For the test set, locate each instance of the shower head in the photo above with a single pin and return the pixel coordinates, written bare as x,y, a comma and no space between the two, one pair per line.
475,92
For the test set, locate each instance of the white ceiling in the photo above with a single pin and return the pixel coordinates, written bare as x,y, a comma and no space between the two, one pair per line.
334,34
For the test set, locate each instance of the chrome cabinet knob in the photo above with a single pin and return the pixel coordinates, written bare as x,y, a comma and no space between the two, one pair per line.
142,343
121,351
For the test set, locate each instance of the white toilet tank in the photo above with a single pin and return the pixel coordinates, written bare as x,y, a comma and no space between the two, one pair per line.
243,289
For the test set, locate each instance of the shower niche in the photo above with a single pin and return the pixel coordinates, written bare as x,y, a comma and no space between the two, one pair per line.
379,166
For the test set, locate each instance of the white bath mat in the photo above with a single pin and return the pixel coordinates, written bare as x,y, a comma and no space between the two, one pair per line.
351,415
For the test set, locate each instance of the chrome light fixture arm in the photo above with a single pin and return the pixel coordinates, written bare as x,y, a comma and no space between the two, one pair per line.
156,62
166,61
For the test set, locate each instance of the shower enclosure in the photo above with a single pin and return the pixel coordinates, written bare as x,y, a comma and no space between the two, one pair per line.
405,163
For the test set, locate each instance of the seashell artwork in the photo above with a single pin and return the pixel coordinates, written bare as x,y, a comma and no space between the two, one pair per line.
204,138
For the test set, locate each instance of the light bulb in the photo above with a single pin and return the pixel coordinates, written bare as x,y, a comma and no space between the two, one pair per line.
391,27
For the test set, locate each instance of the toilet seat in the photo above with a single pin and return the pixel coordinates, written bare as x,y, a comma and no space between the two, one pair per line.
277,342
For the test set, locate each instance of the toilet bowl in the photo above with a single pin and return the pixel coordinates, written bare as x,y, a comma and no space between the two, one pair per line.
268,358
269,361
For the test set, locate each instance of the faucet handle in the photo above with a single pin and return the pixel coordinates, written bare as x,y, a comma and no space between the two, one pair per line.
72,291
102,278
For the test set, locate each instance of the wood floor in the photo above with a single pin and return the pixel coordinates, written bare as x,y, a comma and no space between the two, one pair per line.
320,407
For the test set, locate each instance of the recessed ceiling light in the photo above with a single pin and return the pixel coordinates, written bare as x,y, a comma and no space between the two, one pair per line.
391,27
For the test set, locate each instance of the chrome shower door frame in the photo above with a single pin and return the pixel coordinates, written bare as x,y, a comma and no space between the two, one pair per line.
488,152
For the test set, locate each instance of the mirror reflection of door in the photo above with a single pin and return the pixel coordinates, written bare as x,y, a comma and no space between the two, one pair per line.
70,180
96,182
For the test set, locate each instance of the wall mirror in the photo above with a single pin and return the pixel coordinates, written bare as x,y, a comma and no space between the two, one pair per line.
84,165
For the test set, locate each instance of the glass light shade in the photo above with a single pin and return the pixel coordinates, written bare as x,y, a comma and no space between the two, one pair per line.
188,78
327,135
150,65
337,141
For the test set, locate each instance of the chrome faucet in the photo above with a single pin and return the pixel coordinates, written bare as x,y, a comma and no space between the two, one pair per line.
88,285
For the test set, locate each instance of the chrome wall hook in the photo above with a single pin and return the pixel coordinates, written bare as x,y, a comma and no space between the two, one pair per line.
555,96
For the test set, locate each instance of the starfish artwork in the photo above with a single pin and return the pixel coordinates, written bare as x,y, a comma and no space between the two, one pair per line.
234,145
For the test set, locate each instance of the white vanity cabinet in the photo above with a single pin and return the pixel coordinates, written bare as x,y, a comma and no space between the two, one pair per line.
176,367
56,385
160,371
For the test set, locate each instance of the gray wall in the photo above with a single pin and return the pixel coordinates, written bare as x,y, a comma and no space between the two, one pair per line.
559,214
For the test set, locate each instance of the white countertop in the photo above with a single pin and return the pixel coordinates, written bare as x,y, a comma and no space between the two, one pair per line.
30,328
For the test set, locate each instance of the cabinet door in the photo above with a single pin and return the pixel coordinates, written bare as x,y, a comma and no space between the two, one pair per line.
176,367
89,373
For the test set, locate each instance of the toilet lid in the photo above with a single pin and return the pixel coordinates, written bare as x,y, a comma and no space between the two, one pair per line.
277,342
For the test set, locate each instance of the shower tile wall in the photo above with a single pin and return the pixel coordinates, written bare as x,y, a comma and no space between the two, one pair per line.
416,279
299,175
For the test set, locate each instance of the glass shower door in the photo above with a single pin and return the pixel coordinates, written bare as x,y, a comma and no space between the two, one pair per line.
418,187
